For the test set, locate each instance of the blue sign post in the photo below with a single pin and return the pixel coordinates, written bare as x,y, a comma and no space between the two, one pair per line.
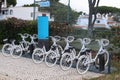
43,31
44,3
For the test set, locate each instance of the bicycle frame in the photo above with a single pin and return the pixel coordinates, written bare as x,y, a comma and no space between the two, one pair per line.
67,47
101,50
84,41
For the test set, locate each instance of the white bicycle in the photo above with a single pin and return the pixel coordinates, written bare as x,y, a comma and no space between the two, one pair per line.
52,58
33,38
23,47
39,54
68,58
84,61
8,48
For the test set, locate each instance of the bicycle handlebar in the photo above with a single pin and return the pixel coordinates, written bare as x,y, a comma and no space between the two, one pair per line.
103,42
70,38
34,36
55,38
85,41
23,35
26,35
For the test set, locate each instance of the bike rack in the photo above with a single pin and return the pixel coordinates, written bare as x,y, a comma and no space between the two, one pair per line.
102,62
109,63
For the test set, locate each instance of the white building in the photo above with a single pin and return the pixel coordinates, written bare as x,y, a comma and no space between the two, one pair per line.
101,22
25,13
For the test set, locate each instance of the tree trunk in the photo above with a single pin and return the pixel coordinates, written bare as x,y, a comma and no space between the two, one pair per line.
92,11
0,6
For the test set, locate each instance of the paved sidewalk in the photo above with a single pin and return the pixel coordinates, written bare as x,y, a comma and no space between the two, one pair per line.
26,69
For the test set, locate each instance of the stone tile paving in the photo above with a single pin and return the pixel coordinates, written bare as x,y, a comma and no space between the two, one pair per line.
26,69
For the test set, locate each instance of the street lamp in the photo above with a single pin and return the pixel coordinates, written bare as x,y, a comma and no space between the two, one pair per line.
34,11
68,15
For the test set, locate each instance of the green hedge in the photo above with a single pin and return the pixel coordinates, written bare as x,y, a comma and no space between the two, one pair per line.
11,27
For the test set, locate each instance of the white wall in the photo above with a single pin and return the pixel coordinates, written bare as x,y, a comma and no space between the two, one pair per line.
25,13
83,21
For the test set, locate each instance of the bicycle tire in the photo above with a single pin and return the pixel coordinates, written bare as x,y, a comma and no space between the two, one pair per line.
6,49
38,55
66,59
51,59
82,68
16,52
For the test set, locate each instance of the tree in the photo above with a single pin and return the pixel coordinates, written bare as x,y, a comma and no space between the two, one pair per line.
107,10
117,17
59,11
11,2
93,4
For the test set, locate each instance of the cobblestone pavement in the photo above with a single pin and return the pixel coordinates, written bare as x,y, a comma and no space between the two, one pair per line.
26,69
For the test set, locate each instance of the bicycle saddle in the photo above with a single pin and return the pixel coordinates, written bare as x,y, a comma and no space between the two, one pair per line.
5,40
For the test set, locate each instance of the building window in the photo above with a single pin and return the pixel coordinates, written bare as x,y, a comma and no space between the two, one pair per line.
6,12
11,12
98,21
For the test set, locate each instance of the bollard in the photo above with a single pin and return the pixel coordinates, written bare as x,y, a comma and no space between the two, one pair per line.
31,48
109,64
101,62
43,42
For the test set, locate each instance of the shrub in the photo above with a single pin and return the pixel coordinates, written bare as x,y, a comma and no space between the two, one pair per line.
11,27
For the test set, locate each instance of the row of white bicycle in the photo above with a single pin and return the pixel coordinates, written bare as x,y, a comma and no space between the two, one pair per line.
56,54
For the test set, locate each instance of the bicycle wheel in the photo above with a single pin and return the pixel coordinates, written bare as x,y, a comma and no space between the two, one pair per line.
66,61
106,59
6,49
51,59
16,52
38,55
82,65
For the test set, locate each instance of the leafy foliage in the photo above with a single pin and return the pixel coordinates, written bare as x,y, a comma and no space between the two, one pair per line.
107,10
11,27
11,2
59,11
117,17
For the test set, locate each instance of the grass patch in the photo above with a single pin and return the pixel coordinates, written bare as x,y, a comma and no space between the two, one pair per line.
115,75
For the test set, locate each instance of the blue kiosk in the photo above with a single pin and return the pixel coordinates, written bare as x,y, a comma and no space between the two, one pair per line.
43,32
43,29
